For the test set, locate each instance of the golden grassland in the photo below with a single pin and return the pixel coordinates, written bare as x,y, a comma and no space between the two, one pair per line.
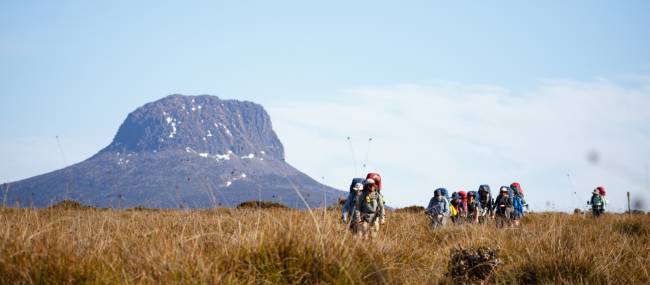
271,246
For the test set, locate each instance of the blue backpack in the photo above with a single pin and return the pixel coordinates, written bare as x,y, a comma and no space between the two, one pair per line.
518,203
444,192
355,181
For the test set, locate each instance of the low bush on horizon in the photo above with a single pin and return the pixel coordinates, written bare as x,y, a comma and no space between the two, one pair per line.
257,246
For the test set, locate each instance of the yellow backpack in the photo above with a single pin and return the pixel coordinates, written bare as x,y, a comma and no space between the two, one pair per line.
454,212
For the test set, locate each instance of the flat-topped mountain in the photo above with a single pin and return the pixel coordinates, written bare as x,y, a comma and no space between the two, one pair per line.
181,151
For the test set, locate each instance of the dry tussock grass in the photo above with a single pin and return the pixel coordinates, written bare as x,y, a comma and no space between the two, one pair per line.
246,246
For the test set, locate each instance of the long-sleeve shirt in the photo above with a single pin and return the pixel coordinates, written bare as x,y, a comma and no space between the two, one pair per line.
504,201
438,207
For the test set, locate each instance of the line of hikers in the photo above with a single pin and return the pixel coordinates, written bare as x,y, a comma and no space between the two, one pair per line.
364,207
477,206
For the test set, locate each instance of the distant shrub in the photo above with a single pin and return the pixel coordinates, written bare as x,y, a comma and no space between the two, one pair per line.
632,227
411,209
261,205
143,209
70,205
577,211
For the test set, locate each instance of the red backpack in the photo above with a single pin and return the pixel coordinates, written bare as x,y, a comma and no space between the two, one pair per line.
516,186
601,190
376,177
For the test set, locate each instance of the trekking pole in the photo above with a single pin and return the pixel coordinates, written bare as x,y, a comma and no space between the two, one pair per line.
354,158
365,164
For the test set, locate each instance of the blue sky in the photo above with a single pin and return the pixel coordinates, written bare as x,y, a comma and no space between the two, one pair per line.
76,68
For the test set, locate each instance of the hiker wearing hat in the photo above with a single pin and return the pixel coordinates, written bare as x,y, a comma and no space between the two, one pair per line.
457,209
382,210
366,213
348,207
597,203
503,207
438,209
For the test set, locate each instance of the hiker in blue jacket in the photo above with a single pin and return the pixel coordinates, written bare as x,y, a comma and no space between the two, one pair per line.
355,190
438,209
517,208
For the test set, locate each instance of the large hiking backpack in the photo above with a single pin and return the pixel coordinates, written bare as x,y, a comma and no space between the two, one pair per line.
484,189
444,192
377,178
601,190
518,204
517,187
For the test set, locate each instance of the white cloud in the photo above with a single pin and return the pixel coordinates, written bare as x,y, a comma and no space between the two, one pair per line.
459,136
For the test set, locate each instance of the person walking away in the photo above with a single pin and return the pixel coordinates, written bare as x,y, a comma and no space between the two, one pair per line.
473,207
517,187
503,208
517,208
603,195
487,203
348,207
438,209
366,213
597,204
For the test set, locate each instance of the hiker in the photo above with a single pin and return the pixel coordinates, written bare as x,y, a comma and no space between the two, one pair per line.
456,208
445,194
463,200
487,203
517,205
603,194
348,207
520,191
597,203
382,210
473,207
503,207
438,209
366,212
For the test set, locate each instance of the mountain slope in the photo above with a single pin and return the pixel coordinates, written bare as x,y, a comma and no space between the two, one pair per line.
181,151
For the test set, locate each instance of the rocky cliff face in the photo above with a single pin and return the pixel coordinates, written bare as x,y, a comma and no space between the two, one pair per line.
182,151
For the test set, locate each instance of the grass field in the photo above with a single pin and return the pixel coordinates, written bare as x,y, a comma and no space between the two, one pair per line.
250,246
